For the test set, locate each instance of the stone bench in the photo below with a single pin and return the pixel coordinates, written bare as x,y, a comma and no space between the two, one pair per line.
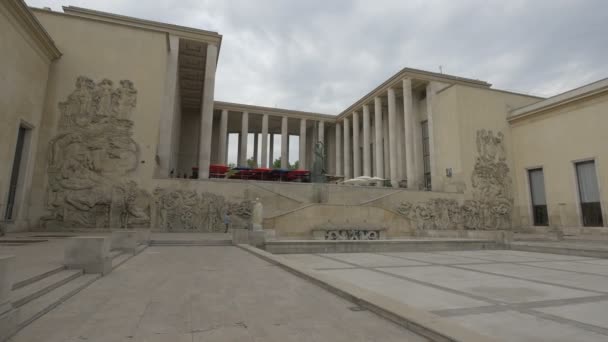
8,314
348,233
89,253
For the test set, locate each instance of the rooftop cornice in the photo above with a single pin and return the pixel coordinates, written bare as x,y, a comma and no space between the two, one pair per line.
238,107
180,31
417,74
574,95
21,12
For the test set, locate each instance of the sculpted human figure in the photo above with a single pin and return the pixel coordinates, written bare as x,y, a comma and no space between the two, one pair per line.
257,217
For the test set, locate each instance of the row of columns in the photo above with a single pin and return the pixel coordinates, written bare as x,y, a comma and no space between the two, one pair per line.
264,162
389,136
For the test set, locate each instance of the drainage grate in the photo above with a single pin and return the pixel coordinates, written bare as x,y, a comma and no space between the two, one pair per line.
52,236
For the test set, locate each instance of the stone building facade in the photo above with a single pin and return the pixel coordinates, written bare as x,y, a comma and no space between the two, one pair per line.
103,114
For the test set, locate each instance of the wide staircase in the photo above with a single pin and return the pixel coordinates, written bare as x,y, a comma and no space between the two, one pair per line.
39,294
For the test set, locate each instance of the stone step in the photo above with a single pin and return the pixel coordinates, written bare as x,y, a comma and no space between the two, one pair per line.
45,303
52,270
26,294
190,242
120,259
115,253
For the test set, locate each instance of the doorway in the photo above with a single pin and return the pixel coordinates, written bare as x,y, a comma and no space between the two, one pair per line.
16,180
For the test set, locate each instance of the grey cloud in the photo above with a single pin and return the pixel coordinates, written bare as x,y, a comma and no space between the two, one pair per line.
323,55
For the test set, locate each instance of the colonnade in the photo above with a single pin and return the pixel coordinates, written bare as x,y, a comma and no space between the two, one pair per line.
266,138
394,144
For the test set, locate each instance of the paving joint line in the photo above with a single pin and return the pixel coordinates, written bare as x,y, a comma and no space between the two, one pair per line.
497,305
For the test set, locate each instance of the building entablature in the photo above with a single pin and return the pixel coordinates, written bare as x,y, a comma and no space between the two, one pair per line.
18,10
570,97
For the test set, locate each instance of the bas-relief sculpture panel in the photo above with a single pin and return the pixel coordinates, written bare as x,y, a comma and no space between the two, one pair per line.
188,210
492,202
89,157
89,163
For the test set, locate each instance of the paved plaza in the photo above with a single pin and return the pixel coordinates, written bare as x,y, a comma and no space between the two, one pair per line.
207,294
511,295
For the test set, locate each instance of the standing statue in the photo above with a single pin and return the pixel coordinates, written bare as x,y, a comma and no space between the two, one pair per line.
257,217
318,166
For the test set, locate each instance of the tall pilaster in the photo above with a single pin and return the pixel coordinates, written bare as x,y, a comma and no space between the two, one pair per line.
170,122
284,140
367,163
223,137
347,151
356,148
244,138
265,141
378,137
338,158
392,136
409,122
302,146
207,112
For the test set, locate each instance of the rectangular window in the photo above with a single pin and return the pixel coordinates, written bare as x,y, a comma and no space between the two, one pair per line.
426,155
589,194
539,201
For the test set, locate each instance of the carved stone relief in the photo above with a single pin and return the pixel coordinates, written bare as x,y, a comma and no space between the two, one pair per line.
187,210
492,201
93,149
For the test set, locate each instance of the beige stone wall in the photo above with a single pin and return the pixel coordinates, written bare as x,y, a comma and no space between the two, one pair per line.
23,76
102,51
554,141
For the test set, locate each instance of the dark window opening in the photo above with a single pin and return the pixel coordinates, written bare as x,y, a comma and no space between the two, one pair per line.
537,193
589,194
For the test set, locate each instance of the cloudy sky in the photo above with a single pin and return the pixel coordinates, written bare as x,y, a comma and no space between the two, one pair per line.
321,55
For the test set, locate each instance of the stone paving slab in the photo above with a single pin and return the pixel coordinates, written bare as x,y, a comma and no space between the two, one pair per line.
207,294
511,295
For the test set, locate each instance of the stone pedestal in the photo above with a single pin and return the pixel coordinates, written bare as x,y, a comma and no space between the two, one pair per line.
89,253
257,238
240,236
8,314
125,240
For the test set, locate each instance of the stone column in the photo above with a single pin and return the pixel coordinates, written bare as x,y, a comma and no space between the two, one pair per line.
302,144
223,136
284,140
392,137
255,149
347,147
322,132
378,137
271,152
244,139
367,163
409,122
430,112
338,149
265,140
356,148
207,112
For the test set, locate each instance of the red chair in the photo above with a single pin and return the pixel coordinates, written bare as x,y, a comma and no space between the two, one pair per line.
218,171
298,176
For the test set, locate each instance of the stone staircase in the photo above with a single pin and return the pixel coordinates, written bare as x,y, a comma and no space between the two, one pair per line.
35,296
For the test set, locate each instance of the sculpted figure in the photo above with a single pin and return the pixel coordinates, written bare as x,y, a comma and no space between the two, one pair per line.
257,217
